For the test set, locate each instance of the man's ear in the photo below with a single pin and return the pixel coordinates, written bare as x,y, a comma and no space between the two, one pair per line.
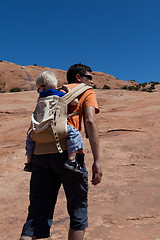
78,78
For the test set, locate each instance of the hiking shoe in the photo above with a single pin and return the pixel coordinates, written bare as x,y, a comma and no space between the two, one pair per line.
28,167
73,166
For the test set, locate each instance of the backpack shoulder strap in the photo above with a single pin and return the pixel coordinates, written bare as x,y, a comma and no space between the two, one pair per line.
75,92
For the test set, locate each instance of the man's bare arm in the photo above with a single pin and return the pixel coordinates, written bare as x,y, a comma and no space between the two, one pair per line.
93,134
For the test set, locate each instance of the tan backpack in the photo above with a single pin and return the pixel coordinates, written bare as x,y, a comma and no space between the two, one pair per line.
49,120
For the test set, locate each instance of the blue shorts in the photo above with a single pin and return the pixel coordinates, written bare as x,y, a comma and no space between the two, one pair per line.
47,176
74,139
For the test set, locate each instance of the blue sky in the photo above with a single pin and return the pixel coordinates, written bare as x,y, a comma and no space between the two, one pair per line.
118,37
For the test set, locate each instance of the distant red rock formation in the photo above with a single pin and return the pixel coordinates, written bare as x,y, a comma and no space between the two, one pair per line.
16,76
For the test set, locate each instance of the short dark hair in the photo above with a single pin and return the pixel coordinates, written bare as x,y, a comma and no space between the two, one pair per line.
76,69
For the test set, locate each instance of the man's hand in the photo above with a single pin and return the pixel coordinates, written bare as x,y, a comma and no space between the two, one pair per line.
64,88
96,173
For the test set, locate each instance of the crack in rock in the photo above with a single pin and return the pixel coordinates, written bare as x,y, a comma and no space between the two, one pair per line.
140,218
124,130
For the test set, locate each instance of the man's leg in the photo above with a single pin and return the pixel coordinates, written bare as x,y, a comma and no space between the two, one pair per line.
76,190
75,235
44,188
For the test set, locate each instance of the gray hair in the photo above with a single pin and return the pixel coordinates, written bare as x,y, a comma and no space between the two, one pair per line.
48,79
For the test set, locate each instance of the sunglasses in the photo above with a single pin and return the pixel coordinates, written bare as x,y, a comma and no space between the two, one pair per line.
87,76
40,87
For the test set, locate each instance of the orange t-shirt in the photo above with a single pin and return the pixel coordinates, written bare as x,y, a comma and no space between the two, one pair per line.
88,98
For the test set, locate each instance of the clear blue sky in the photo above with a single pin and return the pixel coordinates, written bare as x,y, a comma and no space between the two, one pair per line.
118,37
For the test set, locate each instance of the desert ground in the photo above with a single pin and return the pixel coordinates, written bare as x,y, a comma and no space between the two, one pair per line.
126,204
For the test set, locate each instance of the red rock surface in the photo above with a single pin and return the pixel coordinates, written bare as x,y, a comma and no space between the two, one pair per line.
126,205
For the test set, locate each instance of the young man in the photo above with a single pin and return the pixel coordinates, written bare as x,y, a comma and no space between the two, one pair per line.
49,173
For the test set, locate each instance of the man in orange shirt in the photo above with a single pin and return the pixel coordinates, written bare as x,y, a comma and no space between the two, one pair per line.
49,173
87,107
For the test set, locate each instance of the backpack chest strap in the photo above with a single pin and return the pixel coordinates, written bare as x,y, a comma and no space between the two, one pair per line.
75,92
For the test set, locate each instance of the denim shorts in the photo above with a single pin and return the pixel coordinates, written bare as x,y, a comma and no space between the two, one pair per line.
47,176
74,139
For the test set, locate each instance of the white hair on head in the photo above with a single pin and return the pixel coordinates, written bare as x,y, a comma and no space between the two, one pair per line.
48,79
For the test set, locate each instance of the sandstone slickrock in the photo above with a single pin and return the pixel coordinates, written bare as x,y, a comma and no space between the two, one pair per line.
126,205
